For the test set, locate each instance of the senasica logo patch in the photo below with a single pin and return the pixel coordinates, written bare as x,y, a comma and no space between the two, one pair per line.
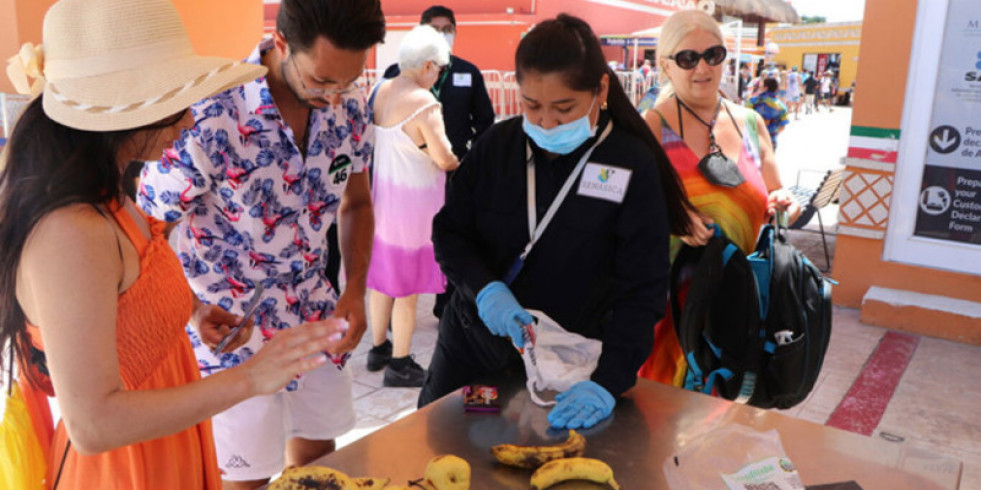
975,76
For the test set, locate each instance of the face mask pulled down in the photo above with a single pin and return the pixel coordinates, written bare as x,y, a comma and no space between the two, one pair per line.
561,358
564,138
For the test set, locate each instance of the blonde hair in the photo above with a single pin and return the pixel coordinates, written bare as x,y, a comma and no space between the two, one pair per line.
422,44
673,31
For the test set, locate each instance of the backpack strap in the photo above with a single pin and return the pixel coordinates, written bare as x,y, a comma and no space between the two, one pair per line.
710,364
706,278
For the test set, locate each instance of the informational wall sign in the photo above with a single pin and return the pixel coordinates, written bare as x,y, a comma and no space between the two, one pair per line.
949,206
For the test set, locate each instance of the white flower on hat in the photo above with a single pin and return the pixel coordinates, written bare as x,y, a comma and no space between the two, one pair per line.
26,69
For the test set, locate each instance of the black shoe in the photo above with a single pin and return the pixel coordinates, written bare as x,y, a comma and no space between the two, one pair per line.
379,356
404,372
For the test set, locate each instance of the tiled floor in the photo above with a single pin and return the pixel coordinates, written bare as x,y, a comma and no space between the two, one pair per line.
935,406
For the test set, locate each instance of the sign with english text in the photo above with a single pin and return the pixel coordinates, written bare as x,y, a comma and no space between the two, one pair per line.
949,204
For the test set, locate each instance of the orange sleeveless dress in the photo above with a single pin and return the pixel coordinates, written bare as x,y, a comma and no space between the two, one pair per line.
154,352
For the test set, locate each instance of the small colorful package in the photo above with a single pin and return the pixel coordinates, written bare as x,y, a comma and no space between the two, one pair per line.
481,398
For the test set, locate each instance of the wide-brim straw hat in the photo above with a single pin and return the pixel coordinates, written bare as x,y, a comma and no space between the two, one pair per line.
110,65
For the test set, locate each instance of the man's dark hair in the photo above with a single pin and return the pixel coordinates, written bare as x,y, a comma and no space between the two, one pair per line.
437,11
348,24
771,84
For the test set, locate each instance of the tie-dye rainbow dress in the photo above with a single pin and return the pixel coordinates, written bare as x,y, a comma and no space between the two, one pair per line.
740,211
408,190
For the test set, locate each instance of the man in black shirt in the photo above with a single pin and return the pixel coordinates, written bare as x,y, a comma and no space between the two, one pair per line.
467,108
810,88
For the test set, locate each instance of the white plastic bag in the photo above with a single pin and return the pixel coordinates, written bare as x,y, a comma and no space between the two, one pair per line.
563,358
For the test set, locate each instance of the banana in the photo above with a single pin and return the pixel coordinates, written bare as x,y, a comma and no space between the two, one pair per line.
561,470
532,457
368,483
312,477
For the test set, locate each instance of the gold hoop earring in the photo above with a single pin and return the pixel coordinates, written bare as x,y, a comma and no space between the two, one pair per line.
603,107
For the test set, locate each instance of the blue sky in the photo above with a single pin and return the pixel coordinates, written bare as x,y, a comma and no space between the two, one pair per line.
834,10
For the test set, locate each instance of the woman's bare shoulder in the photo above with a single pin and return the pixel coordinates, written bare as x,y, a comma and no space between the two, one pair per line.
76,228
653,120
738,110
419,97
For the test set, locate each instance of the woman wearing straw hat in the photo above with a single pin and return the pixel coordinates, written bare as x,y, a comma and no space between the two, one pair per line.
90,293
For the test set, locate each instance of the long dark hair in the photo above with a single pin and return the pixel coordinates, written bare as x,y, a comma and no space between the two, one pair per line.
568,45
47,166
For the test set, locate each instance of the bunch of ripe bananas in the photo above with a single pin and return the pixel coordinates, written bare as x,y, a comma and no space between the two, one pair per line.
557,463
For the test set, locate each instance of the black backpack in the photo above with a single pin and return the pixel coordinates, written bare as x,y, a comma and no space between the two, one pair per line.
753,329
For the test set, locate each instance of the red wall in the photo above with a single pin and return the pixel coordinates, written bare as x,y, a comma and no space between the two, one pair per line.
459,7
487,35
605,19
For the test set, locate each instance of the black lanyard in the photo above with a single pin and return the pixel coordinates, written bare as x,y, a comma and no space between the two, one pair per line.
715,166
710,125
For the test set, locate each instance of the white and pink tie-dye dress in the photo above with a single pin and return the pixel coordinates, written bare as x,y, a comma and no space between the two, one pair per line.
408,190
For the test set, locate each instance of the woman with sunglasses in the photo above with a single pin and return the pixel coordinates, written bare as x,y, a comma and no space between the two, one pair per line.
721,151
412,156
580,154
93,302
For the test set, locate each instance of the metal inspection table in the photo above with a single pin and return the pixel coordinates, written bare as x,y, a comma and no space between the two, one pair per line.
647,427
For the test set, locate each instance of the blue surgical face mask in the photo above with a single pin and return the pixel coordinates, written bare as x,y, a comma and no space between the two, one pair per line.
564,138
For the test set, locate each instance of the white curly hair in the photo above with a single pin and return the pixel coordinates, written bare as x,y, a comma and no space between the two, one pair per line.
422,44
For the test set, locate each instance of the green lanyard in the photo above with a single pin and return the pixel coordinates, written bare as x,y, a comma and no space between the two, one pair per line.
438,86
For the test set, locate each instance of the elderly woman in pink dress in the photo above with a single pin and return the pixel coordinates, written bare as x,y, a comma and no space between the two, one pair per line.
412,156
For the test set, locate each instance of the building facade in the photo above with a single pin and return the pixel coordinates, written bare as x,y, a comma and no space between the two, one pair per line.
909,239
820,47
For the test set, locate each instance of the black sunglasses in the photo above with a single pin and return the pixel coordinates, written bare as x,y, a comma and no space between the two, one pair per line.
688,59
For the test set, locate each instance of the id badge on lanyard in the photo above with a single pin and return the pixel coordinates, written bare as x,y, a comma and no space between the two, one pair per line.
535,229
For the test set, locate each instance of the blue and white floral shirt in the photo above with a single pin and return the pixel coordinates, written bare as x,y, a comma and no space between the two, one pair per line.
252,209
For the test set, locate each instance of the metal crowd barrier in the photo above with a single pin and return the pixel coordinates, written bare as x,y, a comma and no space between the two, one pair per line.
11,105
503,88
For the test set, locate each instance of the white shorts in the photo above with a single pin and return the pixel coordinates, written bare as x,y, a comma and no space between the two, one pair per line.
250,437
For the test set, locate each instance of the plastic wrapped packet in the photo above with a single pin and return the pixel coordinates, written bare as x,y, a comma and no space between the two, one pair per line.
732,457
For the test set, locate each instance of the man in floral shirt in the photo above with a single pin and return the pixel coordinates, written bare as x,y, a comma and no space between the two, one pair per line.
253,188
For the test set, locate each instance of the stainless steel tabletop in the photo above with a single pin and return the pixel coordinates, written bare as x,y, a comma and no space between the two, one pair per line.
647,426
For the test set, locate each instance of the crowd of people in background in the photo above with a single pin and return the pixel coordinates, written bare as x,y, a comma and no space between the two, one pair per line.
796,90
777,94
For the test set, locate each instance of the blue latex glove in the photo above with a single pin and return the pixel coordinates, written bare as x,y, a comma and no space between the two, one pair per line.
581,406
501,313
